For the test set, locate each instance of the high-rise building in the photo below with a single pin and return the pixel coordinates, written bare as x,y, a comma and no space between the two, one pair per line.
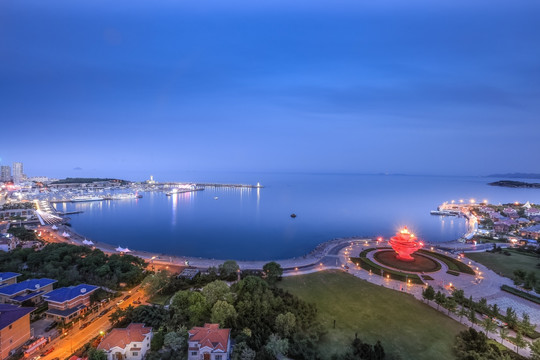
18,172
5,173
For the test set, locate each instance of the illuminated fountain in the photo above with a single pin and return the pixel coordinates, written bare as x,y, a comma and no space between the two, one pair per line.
405,243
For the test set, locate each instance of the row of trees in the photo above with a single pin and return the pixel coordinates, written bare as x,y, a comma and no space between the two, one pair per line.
71,264
469,309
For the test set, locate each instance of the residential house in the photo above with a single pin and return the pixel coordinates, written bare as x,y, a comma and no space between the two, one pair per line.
511,213
209,343
29,290
531,232
67,303
14,328
7,243
501,227
532,212
8,278
130,343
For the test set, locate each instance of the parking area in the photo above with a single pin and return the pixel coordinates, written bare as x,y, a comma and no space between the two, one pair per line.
43,328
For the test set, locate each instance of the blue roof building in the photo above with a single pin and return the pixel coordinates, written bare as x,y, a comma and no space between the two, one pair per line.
32,289
68,303
14,328
7,278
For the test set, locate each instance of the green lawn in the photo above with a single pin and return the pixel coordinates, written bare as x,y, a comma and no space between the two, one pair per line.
506,265
159,299
404,325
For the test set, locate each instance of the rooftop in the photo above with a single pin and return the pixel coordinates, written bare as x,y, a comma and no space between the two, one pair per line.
64,294
11,313
4,276
27,285
210,336
123,337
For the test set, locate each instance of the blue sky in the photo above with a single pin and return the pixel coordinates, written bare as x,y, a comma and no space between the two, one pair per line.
138,87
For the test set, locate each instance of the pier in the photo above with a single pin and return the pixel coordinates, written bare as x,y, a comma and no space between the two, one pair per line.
258,186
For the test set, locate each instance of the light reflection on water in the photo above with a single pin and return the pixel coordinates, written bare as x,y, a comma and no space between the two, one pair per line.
256,224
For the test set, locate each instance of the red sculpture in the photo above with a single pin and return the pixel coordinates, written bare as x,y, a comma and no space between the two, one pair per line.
405,243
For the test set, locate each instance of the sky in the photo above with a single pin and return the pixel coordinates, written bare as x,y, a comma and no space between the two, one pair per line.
126,88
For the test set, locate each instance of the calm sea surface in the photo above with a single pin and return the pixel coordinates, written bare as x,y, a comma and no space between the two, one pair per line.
251,224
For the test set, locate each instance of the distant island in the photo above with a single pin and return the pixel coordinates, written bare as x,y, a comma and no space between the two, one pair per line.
515,184
87,180
516,176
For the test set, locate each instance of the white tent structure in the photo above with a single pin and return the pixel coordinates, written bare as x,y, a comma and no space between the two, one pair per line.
121,249
54,227
87,242
65,234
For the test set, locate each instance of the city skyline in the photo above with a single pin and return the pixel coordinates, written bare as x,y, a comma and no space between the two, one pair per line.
422,88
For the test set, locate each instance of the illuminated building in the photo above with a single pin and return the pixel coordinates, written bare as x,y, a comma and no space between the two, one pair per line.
18,172
5,173
405,243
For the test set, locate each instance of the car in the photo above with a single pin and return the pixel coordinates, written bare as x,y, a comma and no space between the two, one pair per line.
51,326
84,325
137,302
47,352
120,302
127,297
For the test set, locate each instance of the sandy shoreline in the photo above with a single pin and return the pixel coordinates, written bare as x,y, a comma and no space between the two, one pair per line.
312,258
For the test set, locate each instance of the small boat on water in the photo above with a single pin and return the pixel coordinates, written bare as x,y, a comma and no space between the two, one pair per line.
293,215
215,198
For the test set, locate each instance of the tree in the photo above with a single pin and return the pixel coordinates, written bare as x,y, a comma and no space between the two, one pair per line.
503,333
217,290
519,341
472,315
190,307
95,354
535,350
223,313
488,325
511,317
378,351
440,299
462,312
458,295
273,272
495,310
228,269
428,293
157,341
451,305
285,324
243,352
277,346
525,324
175,341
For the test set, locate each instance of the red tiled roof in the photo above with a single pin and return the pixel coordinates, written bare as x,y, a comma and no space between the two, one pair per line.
123,337
211,336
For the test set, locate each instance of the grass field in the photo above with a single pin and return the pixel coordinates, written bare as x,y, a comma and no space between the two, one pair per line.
404,325
505,265
159,299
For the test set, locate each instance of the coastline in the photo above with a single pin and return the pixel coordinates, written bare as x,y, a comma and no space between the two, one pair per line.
324,253
312,258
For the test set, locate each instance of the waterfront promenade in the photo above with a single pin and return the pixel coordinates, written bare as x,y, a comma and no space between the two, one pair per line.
325,253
